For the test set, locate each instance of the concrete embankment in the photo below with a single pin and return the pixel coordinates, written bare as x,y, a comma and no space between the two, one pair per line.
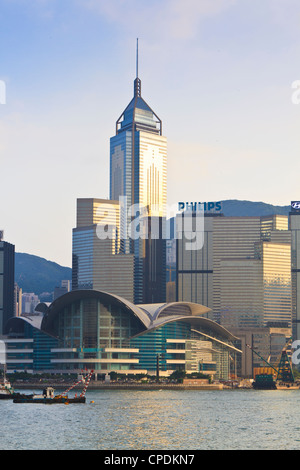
118,386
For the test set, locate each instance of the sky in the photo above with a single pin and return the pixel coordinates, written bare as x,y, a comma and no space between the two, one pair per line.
222,75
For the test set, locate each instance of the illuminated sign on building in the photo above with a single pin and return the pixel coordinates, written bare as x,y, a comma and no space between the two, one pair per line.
200,206
295,205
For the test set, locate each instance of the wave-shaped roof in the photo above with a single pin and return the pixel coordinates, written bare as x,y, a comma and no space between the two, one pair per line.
151,316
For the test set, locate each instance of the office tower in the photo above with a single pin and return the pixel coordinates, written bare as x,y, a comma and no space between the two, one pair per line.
294,226
251,271
242,271
153,276
7,282
194,269
63,289
97,262
138,176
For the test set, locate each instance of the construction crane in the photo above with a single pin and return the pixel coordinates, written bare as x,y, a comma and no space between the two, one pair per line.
270,365
284,371
85,380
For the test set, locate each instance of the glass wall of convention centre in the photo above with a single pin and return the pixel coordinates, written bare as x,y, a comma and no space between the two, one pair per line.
153,346
179,346
28,348
95,334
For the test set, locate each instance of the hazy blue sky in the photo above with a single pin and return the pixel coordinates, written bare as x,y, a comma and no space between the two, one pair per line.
218,73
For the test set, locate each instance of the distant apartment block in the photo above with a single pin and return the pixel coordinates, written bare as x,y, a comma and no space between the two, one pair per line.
29,301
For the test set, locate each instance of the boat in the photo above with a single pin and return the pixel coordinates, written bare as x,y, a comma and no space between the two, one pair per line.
285,379
264,382
6,390
48,396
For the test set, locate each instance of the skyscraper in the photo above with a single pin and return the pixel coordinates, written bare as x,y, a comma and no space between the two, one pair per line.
7,282
242,272
138,177
294,225
138,156
97,262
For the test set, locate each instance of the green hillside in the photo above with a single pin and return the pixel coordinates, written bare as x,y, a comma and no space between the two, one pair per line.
38,275
238,208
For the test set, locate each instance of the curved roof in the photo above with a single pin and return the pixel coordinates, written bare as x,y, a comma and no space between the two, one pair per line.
17,322
72,296
42,307
174,308
197,322
151,316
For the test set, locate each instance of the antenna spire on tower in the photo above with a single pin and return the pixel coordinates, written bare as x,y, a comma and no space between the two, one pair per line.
137,57
137,81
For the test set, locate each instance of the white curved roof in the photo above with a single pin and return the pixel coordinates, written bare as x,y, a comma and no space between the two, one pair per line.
173,308
151,316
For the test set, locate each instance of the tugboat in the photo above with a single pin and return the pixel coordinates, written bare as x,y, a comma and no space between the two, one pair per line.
264,382
6,390
48,397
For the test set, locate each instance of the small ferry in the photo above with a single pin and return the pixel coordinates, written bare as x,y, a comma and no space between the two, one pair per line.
48,396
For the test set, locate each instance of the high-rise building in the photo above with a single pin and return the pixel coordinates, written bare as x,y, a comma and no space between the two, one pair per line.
7,282
29,301
138,179
97,261
194,268
243,273
294,225
252,271
62,289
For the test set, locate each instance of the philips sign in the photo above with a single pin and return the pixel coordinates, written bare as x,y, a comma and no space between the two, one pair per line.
200,206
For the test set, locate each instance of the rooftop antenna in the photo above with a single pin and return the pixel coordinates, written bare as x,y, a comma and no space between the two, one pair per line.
137,81
137,57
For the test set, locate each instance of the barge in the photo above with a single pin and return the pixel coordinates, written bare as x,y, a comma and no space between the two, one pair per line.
48,396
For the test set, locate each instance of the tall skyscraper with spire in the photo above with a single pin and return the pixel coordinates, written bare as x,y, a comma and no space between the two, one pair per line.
138,156
138,171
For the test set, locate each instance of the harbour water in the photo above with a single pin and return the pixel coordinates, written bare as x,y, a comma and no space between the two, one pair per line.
157,420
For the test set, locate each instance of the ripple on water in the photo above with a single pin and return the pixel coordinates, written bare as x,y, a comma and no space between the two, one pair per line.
168,420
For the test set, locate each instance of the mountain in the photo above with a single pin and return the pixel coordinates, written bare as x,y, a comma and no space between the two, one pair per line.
234,207
38,275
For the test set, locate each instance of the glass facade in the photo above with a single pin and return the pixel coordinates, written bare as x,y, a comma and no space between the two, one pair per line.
7,282
95,334
138,174
28,348
194,272
83,258
243,271
294,225
93,330
97,258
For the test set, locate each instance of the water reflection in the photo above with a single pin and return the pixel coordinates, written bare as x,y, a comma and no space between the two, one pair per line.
153,420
